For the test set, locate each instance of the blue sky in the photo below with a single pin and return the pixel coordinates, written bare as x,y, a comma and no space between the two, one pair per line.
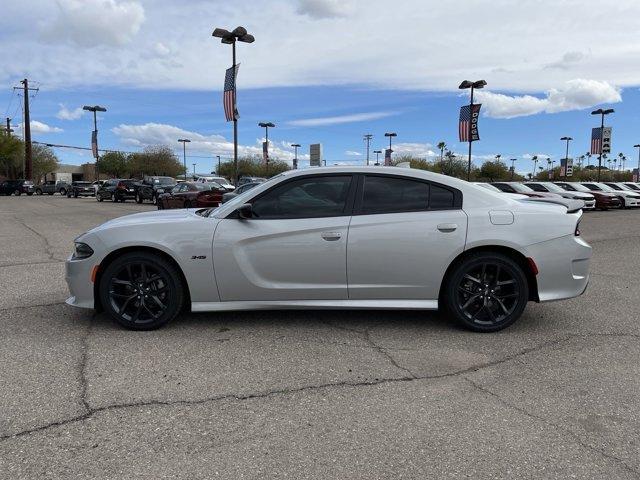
161,80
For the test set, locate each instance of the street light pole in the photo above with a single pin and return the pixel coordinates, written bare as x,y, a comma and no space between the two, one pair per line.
184,142
602,113
513,167
218,169
295,155
390,135
94,109
227,37
637,145
472,85
377,152
266,126
367,139
566,155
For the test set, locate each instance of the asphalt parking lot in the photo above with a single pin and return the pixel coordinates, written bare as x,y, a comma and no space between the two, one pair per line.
312,394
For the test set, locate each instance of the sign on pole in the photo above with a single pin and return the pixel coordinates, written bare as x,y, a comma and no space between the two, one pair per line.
315,154
566,167
387,157
606,140
636,175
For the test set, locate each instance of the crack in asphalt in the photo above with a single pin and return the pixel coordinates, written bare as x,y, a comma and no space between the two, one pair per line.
91,411
5,309
47,246
555,426
23,264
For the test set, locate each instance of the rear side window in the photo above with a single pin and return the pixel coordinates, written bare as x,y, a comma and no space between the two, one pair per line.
390,194
440,198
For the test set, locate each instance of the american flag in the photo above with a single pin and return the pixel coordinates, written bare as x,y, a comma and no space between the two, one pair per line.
596,140
468,123
229,96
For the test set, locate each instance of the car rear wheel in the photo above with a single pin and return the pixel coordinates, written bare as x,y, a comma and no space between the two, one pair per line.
63,191
141,291
17,193
113,198
138,198
38,191
486,292
187,204
155,199
622,204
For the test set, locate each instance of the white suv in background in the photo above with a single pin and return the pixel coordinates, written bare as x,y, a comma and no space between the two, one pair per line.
219,180
588,199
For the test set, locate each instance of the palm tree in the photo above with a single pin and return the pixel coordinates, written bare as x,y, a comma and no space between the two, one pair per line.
588,155
535,164
442,146
621,157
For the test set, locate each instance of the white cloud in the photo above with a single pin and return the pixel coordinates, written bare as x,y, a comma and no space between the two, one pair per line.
325,8
573,95
65,114
415,149
356,117
88,23
567,60
163,134
40,127
353,153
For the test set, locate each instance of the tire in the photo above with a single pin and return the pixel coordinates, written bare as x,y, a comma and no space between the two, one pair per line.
485,292
38,191
113,198
29,194
50,193
187,204
99,198
17,193
138,198
75,194
155,199
63,191
125,293
622,204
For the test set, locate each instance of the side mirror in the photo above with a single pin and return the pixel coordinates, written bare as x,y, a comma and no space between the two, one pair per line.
245,211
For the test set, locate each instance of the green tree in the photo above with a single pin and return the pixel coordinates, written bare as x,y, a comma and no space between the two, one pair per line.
253,167
11,156
116,164
44,161
155,160
494,170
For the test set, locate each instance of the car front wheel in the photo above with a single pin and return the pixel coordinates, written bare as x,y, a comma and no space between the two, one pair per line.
486,292
63,191
138,198
141,291
38,192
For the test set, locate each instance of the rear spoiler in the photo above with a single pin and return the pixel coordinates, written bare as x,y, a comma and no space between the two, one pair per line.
572,206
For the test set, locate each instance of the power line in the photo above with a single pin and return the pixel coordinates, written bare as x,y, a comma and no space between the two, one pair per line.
106,150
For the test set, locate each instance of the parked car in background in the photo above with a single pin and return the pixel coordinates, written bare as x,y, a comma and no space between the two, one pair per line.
226,184
410,239
16,187
241,189
627,197
80,189
51,186
632,196
192,195
520,189
633,186
96,185
244,180
117,190
550,187
604,200
150,187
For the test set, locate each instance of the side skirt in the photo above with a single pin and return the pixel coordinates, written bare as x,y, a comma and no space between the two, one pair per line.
315,305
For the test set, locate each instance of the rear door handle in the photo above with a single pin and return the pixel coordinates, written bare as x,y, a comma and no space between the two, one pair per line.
331,236
447,227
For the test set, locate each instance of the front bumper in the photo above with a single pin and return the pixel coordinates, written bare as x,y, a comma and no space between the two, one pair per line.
78,277
632,202
589,204
563,267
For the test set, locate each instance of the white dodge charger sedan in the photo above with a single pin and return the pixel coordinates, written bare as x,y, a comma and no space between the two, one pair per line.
338,237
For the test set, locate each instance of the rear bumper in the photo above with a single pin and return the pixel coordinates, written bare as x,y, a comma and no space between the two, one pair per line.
563,267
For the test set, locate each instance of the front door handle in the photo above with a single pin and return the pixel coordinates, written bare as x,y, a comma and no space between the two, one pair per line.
447,227
331,236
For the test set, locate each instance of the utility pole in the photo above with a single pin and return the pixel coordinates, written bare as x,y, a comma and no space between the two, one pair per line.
26,124
8,128
184,142
367,138
218,169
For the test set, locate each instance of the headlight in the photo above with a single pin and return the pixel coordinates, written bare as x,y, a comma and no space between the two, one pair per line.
82,250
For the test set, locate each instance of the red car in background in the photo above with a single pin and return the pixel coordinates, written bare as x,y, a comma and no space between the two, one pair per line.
192,195
604,200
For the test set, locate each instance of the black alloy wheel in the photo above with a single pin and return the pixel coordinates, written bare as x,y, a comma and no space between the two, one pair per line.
487,292
17,192
38,191
141,291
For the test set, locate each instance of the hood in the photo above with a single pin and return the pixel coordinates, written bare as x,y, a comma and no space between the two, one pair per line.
155,216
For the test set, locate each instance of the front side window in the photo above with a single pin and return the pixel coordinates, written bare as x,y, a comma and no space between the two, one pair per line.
505,188
308,197
614,186
537,187
591,186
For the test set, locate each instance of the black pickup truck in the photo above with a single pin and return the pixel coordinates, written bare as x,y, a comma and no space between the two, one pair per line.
150,187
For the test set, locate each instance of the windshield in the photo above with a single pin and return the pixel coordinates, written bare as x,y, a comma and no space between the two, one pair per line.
220,180
552,187
594,187
614,186
518,187
632,186
241,198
